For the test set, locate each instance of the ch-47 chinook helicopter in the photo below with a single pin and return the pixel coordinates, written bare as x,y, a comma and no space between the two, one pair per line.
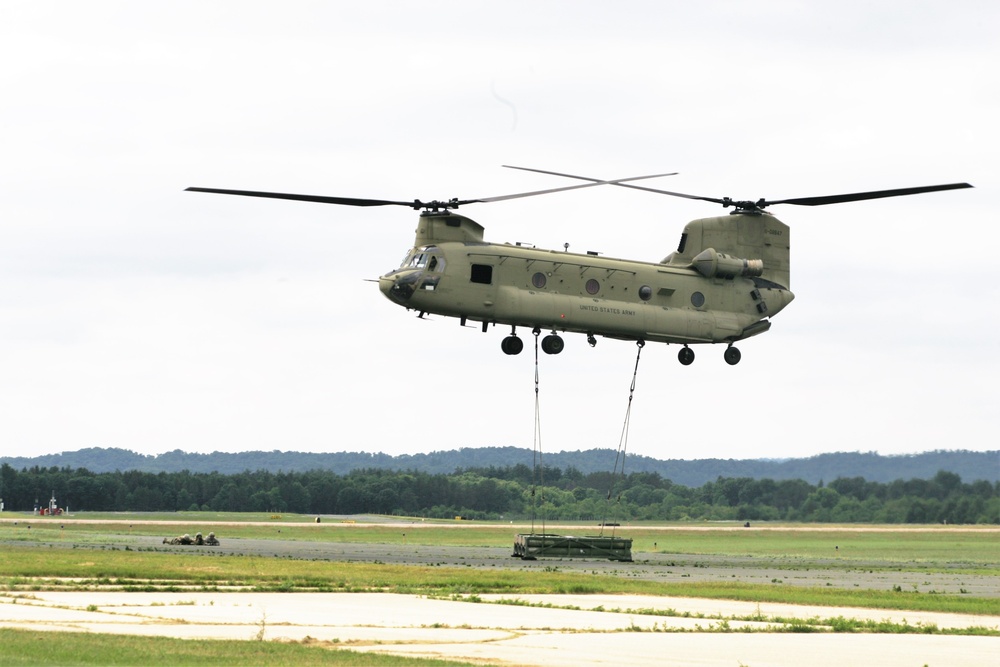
728,277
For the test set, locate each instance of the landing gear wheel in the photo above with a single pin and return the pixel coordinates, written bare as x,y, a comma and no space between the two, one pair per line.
553,344
591,340
732,356
512,345
685,356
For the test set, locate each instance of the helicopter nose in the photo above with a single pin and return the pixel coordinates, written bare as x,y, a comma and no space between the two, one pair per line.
385,284
399,285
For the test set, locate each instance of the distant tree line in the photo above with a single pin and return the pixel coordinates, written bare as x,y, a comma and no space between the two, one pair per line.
875,467
508,492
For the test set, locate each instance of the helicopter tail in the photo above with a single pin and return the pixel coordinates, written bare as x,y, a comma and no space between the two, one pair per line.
758,241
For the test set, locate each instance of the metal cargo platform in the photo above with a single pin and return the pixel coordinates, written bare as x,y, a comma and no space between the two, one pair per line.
532,546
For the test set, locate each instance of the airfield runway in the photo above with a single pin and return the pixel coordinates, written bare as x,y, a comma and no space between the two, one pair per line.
564,631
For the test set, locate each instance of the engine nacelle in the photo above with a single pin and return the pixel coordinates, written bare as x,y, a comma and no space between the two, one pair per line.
713,264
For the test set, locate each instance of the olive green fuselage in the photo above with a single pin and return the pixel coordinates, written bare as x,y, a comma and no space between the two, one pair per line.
452,272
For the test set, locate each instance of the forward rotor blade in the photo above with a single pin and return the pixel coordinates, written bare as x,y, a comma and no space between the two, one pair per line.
860,196
345,201
594,182
416,203
619,182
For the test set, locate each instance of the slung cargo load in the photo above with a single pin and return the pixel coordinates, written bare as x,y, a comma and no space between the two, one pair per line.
532,546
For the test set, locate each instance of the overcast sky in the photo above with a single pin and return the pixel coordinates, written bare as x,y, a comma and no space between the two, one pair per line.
136,315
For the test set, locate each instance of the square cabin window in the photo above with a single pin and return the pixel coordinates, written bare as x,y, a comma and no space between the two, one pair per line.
482,273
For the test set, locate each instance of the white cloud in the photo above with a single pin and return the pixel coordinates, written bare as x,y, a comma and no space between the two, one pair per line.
133,314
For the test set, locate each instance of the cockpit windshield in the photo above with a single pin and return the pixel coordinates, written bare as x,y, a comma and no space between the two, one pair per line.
418,260
424,258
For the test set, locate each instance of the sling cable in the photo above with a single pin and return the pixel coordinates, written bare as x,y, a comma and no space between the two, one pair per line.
622,450
542,544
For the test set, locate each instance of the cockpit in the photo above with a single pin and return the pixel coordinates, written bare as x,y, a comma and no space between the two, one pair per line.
424,258
420,270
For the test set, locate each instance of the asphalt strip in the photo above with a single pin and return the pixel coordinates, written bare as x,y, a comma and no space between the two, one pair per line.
543,630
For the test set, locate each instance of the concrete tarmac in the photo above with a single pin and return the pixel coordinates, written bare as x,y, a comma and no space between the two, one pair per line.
543,630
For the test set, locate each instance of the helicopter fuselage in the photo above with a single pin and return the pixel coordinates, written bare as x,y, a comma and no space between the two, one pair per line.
707,297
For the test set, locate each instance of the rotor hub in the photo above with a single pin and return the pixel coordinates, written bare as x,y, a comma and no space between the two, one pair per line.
436,205
745,206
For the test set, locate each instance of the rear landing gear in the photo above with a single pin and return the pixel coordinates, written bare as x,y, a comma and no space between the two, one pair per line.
732,355
685,356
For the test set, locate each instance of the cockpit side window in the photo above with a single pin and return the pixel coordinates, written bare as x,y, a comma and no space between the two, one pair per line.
436,264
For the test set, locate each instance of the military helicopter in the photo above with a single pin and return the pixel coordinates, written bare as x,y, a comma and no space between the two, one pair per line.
728,277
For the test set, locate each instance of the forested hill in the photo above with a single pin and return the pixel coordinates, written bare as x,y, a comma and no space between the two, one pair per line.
970,466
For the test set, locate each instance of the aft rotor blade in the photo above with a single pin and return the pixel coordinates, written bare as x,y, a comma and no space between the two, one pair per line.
860,196
763,203
594,182
619,182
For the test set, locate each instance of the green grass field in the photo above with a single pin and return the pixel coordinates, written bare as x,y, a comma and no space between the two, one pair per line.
29,647
110,557
926,546
68,553
78,569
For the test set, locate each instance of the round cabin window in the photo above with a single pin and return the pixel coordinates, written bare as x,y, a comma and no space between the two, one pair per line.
645,292
697,299
593,287
538,280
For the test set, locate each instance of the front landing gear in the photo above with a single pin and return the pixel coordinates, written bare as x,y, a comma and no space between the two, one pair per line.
512,344
553,344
